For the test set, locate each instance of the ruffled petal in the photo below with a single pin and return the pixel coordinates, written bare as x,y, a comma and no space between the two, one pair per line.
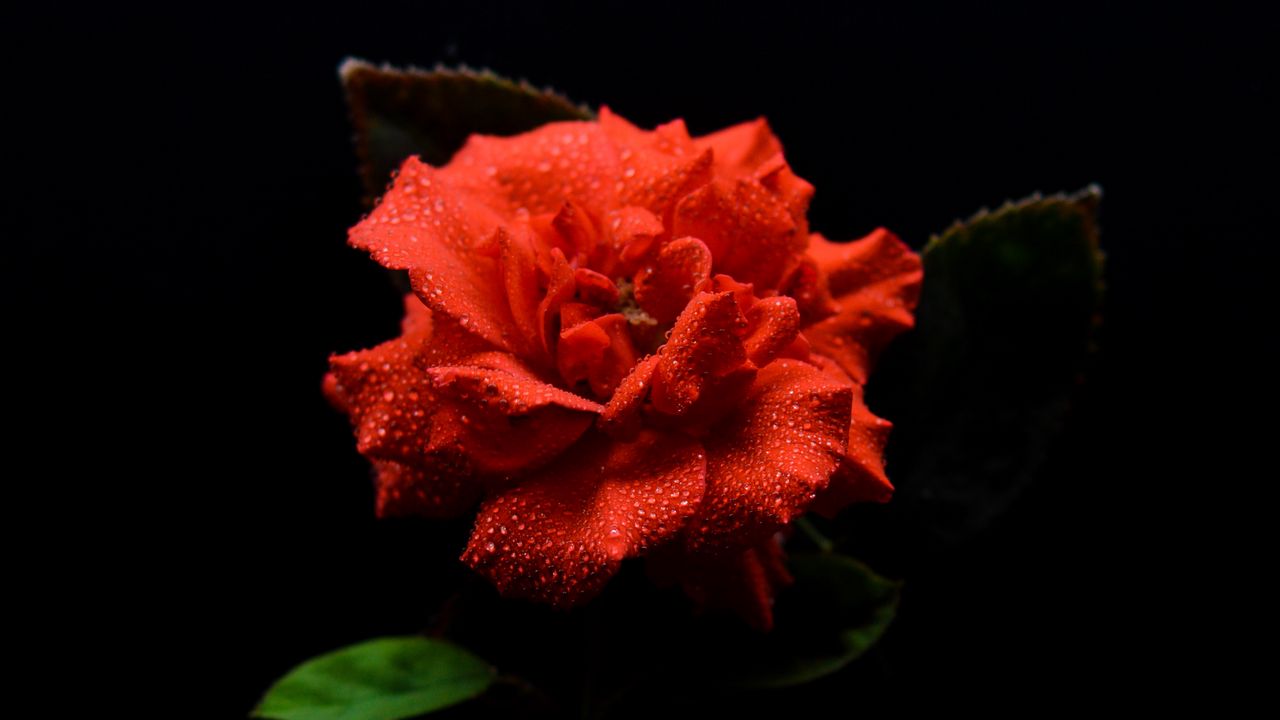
665,287
441,488
807,284
563,532
502,417
657,182
748,229
594,288
657,168
769,459
385,390
742,148
876,281
574,224
794,191
705,344
519,265
622,415
744,582
633,233
720,396
561,287
772,325
539,170
599,351
427,226
861,476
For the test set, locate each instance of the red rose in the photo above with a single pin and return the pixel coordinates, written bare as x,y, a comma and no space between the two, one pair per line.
624,343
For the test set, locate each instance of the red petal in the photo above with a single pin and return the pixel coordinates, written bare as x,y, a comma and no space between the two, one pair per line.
808,285
679,272
750,150
744,582
633,232
720,396
519,264
581,347
595,288
386,391
426,225
657,168
768,460
743,293
749,231
573,314
876,281
772,325
443,488
861,476
621,417
599,351
541,169
560,290
742,148
657,182
618,358
704,344
564,531
574,224
794,191
502,417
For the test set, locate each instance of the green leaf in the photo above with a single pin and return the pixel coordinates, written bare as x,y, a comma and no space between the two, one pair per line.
981,388
836,610
382,679
430,113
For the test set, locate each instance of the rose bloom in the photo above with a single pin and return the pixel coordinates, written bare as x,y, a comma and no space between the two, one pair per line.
621,343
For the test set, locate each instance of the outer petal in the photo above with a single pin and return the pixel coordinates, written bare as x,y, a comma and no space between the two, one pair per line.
442,488
794,191
563,532
539,170
744,582
386,391
807,285
861,476
657,168
742,148
665,287
876,281
767,461
748,229
429,227
705,344
750,150
501,417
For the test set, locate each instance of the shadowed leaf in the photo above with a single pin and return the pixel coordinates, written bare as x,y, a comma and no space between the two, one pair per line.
383,679
836,610
430,113
981,387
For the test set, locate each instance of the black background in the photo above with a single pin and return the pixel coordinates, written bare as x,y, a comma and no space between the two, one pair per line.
176,275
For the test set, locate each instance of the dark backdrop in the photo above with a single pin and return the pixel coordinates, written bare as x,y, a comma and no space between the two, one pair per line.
176,276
